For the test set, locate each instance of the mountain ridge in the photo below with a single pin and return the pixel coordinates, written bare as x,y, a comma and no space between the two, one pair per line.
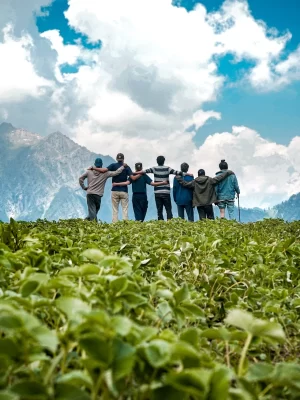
39,179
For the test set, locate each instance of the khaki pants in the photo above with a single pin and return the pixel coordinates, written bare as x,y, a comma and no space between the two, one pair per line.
116,198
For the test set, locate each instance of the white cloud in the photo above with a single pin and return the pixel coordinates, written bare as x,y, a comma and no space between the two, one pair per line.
147,85
19,78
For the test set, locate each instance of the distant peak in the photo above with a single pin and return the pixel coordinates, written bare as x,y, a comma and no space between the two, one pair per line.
6,127
56,134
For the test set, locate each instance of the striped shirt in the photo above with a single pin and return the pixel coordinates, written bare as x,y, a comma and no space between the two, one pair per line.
162,173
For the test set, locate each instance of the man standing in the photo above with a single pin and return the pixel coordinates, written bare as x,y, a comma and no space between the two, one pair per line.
119,194
139,192
226,191
95,189
204,194
162,193
183,196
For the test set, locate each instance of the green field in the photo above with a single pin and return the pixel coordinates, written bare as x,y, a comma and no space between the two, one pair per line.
160,310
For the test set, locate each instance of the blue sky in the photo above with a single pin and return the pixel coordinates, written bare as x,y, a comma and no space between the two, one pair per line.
274,114
197,87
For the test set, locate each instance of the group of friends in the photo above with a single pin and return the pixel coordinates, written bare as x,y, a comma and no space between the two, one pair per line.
188,192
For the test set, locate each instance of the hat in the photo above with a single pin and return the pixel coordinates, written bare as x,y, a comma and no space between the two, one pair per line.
120,156
201,172
138,165
98,162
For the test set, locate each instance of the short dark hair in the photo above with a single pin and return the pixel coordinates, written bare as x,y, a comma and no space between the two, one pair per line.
184,167
138,166
160,160
120,156
201,172
223,165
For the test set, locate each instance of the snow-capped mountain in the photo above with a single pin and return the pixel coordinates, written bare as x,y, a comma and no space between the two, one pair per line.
39,175
39,179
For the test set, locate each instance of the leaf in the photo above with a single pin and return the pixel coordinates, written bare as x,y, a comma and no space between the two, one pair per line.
46,338
132,299
30,390
94,255
72,306
192,310
257,327
6,395
158,353
9,348
89,269
97,348
122,325
164,311
12,321
192,381
29,287
259,372
76,378
219,384
181,294
65,391
124,359
191,335
119,285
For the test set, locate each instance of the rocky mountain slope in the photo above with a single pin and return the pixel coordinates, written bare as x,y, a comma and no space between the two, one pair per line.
39,179
39,175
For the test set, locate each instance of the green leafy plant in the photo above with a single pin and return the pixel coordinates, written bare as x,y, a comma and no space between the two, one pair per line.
158,310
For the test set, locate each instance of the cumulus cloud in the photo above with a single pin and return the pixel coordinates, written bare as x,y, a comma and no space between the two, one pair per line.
20,79
143,92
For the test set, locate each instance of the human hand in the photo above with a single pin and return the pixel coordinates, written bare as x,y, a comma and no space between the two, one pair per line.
90,169
125,165
114,184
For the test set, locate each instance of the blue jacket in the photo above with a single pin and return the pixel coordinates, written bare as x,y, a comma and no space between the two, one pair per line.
227,188
182,195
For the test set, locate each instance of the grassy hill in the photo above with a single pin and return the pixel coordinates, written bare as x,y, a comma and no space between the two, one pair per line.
160,310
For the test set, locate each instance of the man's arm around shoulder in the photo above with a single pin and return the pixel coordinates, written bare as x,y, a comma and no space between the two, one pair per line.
217,179
115,173
190,184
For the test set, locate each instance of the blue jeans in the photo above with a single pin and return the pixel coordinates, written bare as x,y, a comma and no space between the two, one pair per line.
230,207
189,211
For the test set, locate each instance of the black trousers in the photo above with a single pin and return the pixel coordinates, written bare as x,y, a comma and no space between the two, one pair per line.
206,212
163,200
140,206
93,203
189,211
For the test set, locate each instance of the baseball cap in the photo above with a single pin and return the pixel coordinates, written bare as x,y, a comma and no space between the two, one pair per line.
120,156
98,162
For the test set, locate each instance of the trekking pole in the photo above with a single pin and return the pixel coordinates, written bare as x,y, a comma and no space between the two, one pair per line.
239,209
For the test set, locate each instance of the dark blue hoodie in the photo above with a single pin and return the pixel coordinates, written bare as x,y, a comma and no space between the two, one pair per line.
182,196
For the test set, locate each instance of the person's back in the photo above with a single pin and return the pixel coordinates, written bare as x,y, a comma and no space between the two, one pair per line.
183,196
204,194
226,191
162,193
95,188
119,194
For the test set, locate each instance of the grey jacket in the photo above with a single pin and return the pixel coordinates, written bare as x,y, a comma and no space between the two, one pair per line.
96,180
204,188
